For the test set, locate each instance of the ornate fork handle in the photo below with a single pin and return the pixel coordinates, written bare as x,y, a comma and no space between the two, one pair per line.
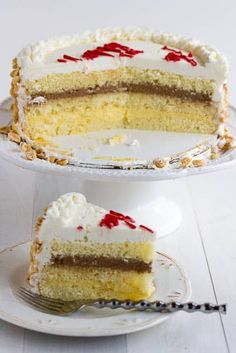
160,306
59,307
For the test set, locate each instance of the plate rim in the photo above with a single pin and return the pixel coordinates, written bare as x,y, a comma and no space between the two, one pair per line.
89,333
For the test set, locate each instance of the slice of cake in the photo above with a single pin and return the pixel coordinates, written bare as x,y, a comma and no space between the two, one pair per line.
118,78
82,251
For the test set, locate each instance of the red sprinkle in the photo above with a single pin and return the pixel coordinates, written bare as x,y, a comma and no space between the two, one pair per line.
130,225
129,219
93,54
122,217
80,227
113,47
146,228
105,50
109,221
112,219
172,57
70,58
118,215
177,55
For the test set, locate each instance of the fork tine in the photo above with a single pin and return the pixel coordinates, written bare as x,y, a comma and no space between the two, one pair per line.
38,305
35,301
41,299
45,299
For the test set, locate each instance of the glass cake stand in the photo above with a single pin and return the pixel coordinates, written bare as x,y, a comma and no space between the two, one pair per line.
142,193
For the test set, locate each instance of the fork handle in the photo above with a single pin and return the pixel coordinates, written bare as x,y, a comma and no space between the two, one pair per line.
160,306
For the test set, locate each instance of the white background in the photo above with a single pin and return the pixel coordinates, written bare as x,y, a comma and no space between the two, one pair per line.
205,243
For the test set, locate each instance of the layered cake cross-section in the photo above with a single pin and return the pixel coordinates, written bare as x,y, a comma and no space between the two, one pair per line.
118,78
82,251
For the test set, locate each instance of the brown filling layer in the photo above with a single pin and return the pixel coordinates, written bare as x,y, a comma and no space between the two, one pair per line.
135,88
102,261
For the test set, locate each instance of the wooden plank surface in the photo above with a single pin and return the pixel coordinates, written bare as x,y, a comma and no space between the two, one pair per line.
215,210
16,210
184,332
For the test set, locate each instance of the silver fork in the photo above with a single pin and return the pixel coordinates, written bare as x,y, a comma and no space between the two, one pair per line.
59,307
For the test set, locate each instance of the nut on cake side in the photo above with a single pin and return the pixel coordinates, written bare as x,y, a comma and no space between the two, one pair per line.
82,251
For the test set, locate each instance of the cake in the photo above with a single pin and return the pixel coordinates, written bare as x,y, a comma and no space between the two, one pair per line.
82,251
118,78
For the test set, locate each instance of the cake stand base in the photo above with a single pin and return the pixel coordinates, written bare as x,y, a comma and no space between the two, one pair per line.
148,202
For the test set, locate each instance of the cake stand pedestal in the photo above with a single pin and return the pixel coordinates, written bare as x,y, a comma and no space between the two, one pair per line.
147,202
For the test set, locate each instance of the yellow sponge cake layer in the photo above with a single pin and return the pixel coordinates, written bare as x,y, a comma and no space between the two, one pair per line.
165,113
74,283
53,84
76,115
142,251
71,116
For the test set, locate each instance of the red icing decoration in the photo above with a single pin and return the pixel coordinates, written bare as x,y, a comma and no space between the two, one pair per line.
177,55
130,225
61,60
112,219
105,50
122,217
118,215
80,227
70,58
129,219
146,228
109,221
113,47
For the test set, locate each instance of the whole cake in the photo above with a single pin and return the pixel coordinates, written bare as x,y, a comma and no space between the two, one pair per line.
118,78
82,251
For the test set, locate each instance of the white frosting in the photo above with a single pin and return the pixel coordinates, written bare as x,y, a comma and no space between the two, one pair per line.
153,57
40,59
72,210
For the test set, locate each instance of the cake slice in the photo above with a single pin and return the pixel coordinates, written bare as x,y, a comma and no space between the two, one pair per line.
82,251
118,78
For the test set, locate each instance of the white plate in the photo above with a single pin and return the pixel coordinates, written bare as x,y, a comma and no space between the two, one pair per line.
90,148
153,144
172,284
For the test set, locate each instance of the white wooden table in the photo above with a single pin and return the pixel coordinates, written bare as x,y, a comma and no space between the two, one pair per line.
205,244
